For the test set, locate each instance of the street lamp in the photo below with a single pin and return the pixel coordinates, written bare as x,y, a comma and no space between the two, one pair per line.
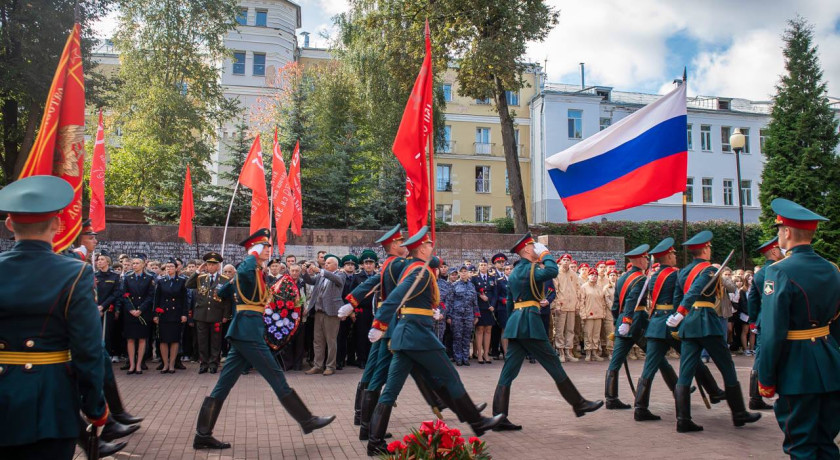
737,141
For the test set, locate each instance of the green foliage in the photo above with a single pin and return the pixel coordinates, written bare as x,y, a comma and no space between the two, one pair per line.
801,140
504,224
213,209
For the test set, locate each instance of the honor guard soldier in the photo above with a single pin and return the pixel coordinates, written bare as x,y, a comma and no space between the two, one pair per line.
414,344
701,328
210,311
364,310
800,357
526,333
51,358
772,254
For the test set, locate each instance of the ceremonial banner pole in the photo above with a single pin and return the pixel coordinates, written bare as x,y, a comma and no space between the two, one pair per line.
432,183
227,219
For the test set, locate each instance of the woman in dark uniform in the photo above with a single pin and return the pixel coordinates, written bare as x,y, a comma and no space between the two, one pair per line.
139,290
108,294
170,314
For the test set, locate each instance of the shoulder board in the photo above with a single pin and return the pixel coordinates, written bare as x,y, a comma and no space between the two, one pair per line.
223,277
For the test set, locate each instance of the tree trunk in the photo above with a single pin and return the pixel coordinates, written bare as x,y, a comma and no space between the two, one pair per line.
517,193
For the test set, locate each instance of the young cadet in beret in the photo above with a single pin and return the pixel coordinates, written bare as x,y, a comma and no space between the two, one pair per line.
800,332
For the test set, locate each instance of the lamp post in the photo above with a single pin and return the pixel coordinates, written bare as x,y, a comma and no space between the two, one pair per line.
737,140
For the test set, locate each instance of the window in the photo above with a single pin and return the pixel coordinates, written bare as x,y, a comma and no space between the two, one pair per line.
746,133
444,212
447,92
512,97
727,192
507,183
259,64
509,212
689,190
482,179
485,101
482,213
482,141
261,19
447,146
242,16
516,141
605,123
707,190
443,177
575,124
688,137
762,139
239,63
725,132
706,138
746,192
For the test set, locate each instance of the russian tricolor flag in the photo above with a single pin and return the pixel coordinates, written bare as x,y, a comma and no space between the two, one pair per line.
641,158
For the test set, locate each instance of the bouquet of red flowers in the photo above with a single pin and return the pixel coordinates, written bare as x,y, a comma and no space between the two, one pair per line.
282,314
435,440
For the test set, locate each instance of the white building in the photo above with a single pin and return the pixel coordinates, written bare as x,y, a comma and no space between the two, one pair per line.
563,115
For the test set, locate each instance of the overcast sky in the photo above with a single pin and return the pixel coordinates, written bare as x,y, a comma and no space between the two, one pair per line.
731,48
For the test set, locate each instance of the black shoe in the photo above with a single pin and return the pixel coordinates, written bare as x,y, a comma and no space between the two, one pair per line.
138,372
580,405
378,427
357,404
214,369
297,409
130,372
641,413
179,364
468,412
759,404
115,405
164,371
159,367
467,362
735,399
458,364
202,369
207,417
95,448
115,430
501,404
143,366
706,380
611,391
532,360
682,398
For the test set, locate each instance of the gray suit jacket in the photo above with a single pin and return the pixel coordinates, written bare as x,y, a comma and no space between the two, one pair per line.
327,294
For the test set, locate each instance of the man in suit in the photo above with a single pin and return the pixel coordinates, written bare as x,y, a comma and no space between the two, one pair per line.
210,311
325,301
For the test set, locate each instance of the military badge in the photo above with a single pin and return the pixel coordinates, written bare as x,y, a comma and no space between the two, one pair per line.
769,287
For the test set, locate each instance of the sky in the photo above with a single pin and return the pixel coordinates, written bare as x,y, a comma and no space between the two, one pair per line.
730,48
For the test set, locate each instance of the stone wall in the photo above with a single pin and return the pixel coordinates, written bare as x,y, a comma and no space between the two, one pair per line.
161,242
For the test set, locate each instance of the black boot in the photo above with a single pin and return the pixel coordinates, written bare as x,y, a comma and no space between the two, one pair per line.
207,416
378,427
611,391
103,448
669,375
434,400
756,401
580,405
682,396
447,402
297,409
735,399
370,398
706,380
501,403
466,410
115,405
115,430
357,405
641,412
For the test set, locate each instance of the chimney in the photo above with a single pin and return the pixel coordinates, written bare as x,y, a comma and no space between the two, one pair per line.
305,39
582,80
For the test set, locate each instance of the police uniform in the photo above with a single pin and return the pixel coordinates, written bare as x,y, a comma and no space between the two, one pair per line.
800,357
170,305
414,344
700,328
248,349
485,284
108,296
753,309
499,310
51,357
209,312
446,291
461,314
138,294
526,334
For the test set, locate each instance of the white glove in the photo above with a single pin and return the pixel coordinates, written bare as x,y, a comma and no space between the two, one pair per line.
436,314
374,335
82,250
256,249
345,310
623,329
674,320
540,248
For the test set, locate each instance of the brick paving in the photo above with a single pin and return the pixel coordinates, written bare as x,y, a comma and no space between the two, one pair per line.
259,428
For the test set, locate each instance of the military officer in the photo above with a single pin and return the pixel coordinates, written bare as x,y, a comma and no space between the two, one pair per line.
414,343
772,253
527,335
800,357
485,286
248,347
210,311
363,312
86,242
138,294
499,260
51,359
108,297
701,328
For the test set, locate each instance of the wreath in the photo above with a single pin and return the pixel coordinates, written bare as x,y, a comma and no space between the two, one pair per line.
282,314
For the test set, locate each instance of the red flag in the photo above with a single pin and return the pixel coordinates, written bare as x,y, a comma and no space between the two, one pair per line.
282,195
97,179
253,177
59,149
185,226
297,192
410,144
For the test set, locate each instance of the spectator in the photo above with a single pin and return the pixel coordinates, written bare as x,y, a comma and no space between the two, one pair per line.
170,313
741,316
485,285
592,312
462,315
564,309
326,300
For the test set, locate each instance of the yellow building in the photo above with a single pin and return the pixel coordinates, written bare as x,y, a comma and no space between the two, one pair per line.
471,174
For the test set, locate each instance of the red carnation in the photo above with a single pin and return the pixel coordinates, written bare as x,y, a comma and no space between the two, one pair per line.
474,440
126,295
290,304
284,313
217,327
111,308
395,445
158,310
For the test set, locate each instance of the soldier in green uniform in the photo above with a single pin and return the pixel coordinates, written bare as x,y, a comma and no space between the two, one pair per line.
209,311
414,344
800,357
248,347
772,253
701,328
526,334
51,355
659,337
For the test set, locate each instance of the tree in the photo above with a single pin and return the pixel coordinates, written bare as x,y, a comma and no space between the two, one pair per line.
801,141
32,37
212,210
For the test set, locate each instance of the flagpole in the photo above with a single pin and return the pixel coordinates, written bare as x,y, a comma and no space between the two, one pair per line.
227,220
195,237
685,197
432,183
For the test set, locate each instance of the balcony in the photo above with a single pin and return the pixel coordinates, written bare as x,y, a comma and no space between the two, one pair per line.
443,186
482,148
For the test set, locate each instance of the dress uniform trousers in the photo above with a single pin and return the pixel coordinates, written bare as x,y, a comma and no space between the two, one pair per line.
209,342
433,362
690,358
655,354
809,422
539,349
243,355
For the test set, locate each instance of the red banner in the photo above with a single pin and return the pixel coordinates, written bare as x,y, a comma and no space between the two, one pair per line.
297,190
97,179
185,226
253,177
59,149
282,196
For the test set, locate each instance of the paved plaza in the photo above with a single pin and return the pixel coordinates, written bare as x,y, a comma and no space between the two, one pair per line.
259,428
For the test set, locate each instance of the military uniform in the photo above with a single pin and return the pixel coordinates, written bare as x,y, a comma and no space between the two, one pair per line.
139,293
800,332
363,311
461,315
170,306
109,296
209,312
446,295
753,310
